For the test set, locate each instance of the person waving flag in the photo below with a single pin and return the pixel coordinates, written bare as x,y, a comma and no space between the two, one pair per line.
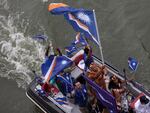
82,20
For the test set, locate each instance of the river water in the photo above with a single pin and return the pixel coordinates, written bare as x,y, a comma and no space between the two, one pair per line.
124,29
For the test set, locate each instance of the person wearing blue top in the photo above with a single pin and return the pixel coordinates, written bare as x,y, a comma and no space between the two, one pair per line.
64,83
81,96
87,57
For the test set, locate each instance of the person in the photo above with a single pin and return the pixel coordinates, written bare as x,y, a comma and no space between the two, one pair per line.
46,87
97,73
88,59
143,105
80,96
115,86
49,88
81,79
58,52
64,82
100,80
114,83
93,69
94,105
47,51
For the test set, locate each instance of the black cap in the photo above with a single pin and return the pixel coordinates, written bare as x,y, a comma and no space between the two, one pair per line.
144,100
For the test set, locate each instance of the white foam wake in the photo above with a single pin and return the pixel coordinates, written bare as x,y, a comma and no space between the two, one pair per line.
20,54
4,3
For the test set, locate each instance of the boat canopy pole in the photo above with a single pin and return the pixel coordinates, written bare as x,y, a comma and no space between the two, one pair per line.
100,46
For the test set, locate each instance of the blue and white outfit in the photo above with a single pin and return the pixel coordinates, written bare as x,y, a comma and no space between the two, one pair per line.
87,60
81,96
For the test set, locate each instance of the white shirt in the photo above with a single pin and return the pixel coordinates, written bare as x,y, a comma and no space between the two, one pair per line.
142,108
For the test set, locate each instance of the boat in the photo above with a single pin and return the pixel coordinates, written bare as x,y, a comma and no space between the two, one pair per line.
48,101
48,105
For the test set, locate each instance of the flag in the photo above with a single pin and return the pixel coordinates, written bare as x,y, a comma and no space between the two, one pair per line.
78,57
70,49
80,39
81,20
53,66
103,96
60,8
62,100
133,63
45,66
40,37
50,70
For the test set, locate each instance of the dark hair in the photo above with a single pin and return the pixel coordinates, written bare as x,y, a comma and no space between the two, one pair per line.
112,77
86,50
47,51
144,100
59,52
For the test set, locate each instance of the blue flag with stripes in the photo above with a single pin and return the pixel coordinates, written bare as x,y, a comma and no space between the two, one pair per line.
82,20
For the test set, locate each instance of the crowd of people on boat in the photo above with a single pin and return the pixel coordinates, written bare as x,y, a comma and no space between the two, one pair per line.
83,94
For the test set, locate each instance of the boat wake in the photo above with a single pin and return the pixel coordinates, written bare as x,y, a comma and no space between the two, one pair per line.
20,54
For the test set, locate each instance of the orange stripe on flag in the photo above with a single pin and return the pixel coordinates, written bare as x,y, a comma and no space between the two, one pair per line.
56,5
78,21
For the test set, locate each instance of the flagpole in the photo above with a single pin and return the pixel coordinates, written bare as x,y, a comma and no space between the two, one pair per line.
100,47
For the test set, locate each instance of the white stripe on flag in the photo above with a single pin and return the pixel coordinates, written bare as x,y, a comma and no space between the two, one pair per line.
85,28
